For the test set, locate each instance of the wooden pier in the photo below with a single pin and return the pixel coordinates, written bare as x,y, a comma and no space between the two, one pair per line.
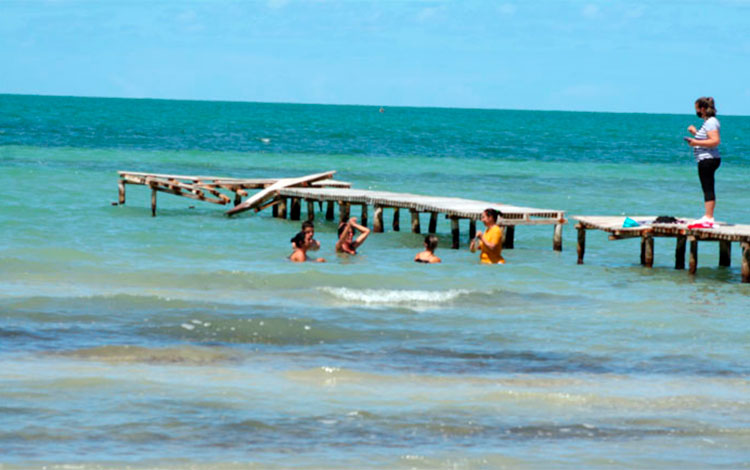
287,194
454,209
213,189
724,234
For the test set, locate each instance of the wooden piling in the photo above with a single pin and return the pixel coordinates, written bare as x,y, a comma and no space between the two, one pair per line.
310,210
343,212
275,210
745,261
433,222
294,212
121,192
581,242
648,255
396,219
281,213
329,210
693,255
557,237
454,232
643,251
509,236
363,218
472,229
153,202
679,252
415,228
377,224
725,253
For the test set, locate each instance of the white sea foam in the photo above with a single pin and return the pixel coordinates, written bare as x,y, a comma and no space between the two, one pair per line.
393,296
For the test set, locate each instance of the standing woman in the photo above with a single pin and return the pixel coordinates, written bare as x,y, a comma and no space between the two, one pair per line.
705,143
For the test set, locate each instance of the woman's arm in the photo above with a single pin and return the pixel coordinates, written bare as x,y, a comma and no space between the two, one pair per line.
364,232
713,139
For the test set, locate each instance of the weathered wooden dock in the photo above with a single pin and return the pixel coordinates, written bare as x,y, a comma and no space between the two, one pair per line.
213,189
280,194
724,234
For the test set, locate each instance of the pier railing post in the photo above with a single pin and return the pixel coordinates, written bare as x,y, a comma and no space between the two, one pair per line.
745,261
454,232
725,253
693,255
679,252
415,228
509,236
377,224
581,242
433,222
396,219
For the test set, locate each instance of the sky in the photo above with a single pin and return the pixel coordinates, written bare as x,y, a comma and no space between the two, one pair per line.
614,55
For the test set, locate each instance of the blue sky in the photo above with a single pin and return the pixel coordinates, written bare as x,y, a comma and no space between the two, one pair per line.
621,56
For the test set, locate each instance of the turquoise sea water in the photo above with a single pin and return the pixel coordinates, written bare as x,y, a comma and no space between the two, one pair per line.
187,340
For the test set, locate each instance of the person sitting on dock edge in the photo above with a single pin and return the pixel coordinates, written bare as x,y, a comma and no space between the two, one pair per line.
346,242
428,255
491,241
301,243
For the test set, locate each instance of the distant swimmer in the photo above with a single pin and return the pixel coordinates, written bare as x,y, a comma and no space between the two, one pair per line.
428,255
346,242
382,109
301,243
491,241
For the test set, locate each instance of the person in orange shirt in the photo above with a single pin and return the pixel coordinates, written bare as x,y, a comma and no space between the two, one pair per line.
491,241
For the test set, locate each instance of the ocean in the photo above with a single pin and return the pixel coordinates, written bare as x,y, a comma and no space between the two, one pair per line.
187,340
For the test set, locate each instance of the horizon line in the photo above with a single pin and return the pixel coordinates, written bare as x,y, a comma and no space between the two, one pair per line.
349,104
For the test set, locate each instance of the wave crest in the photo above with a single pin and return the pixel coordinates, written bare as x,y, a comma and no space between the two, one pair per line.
393,296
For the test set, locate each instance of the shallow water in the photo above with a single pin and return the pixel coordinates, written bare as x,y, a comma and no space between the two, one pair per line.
187,340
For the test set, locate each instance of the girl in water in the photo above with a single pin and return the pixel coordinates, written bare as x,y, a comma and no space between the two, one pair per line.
301,243
428,255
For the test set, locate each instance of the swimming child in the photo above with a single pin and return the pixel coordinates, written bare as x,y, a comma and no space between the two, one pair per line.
346,242
301,243
428,255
